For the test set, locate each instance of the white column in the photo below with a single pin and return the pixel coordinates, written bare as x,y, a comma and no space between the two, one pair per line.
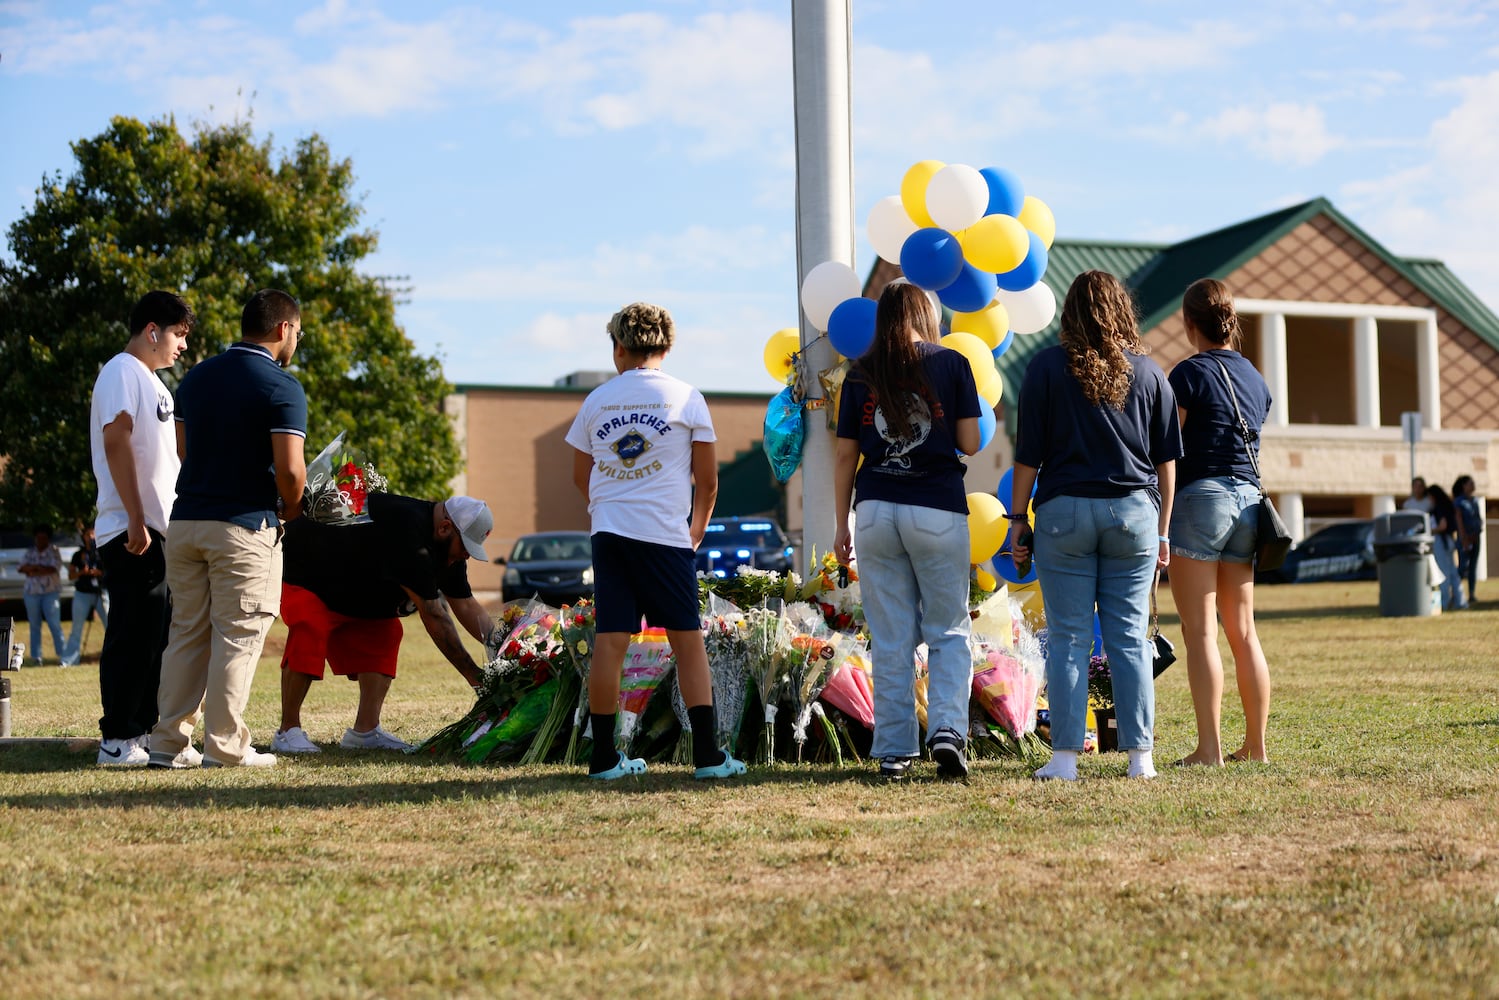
1293,512
820,43
1428,374
1365,372
1383,503
1273,364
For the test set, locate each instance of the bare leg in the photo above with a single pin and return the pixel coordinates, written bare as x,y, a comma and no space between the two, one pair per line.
294,688
373,688
1193,585
1236,602
609,649
692,667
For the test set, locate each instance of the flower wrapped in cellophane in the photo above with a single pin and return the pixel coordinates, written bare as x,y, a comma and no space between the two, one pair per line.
765,632
801,664
339,482
1007,682
578,638
724,632
834,589
648,662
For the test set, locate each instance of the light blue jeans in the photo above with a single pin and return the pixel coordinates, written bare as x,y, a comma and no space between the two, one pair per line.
82,604
39,608
913,579
1098,552
1445,551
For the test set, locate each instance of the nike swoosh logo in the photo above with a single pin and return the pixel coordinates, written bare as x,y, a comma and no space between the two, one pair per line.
112,753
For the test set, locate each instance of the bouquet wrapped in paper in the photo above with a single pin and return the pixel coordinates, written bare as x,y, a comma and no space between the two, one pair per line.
802,664
850,689
1006,687
578,635
764,634
728,666
339,482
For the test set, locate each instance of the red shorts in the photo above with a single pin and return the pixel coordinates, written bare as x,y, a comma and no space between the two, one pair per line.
317,635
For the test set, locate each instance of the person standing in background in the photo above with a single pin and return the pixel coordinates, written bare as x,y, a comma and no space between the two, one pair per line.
88,577
41,565
1470,531
241,425
135,461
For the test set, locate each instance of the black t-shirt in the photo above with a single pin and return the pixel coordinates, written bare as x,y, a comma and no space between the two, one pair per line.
359,570
1084,450
1211,443
87,557
923,469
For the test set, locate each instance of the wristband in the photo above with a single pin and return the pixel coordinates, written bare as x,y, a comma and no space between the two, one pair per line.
1017,517
1165,538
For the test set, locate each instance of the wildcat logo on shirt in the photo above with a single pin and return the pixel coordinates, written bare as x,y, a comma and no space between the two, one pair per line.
629,448
898,446
163,408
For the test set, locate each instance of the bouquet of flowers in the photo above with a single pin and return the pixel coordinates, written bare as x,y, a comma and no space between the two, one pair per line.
801,665
1100,683
834,589
750,587
647,663
764,634
339,481
577,634
728,666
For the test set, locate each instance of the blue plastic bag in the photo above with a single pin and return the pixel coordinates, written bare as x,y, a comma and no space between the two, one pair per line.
784,431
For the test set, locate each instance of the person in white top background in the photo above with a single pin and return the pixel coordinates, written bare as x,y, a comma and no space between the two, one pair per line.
644,440
134,444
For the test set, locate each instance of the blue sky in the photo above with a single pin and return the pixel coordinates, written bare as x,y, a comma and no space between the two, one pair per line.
532,166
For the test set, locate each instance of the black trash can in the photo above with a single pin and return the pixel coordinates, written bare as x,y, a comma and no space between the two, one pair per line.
1402,549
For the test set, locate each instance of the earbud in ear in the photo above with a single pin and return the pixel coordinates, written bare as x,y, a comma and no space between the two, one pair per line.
155,337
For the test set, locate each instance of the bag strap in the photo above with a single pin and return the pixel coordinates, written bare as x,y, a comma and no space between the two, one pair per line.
1243,426
1155,619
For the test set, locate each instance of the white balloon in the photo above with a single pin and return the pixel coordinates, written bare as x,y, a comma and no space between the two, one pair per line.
888,227
957,196
825,286
1032,310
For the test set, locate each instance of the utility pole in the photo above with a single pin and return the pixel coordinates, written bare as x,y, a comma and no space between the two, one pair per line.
821,31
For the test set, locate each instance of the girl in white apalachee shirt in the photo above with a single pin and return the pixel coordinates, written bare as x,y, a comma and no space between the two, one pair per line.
643,440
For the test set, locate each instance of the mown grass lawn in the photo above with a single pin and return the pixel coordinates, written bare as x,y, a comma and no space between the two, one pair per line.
1364,861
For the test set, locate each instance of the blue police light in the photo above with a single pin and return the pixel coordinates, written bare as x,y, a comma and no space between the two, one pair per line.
743,553
714,554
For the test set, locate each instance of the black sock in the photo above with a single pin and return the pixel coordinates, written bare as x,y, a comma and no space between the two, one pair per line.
705,749
604,755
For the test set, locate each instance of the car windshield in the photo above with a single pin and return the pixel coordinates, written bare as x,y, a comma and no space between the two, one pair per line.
1353,534
542,548
746,534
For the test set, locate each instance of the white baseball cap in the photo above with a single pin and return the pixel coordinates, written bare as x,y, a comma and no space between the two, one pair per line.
474,523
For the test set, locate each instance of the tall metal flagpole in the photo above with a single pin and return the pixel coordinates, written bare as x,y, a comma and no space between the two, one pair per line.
820,41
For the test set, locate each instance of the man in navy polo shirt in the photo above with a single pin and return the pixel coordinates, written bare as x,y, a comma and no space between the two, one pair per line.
241,424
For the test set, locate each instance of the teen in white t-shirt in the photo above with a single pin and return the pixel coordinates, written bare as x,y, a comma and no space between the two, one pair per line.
134,442
643,440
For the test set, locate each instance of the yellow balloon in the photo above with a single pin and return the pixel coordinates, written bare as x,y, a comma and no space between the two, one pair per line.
778,350
986,526
995,243
913,191
1036,216
972,348
985,579
989,324
991,390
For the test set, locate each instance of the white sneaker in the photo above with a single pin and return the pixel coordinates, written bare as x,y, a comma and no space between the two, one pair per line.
185,758
252,758
294,740
124,753
375,739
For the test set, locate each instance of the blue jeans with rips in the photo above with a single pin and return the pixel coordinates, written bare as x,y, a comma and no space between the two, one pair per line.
1098,553
913,580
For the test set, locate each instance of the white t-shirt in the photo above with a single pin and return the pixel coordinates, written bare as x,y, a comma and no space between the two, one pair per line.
126,385
640,427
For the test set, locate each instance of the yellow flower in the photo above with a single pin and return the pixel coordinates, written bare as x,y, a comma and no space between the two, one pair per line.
582,647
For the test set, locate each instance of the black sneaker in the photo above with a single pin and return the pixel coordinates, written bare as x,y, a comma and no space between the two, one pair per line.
950,754
894,768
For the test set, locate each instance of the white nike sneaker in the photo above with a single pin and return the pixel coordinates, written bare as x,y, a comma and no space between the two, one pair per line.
124,753
294,740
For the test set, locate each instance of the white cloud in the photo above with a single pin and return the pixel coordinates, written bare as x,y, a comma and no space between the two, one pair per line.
1282,132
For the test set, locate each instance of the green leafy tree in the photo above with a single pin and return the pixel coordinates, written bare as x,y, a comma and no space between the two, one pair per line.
213,217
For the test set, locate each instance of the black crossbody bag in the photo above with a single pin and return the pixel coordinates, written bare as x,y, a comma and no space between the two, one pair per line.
1272,540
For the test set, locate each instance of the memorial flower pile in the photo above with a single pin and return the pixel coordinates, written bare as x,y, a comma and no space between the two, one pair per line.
339,482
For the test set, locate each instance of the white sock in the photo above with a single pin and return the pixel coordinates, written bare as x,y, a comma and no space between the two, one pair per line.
1141,764
1061,767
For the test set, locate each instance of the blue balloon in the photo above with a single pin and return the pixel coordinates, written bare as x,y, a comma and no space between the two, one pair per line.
971,291
1007,487
931,258
1006,195
1004,345
851,326
1097,636
1029,270
988,422
1004,567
